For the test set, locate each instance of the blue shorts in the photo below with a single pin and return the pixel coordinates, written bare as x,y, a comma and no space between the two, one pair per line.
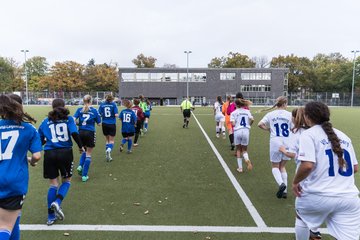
147,114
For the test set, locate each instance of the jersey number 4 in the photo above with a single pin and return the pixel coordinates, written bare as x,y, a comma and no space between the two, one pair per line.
8,151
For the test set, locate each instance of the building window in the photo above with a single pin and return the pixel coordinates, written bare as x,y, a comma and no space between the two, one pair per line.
128,77
227,76
156,77
198,77
182,77
255,88
256,76
142,77
170,77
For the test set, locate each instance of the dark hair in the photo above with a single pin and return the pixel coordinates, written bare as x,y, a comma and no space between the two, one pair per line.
219,99
239,95
10,109
136,101
15,97
127,103
59,111
229,98
319,113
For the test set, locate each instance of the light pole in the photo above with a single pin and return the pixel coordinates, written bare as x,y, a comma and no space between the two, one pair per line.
353,78
187,73
26,77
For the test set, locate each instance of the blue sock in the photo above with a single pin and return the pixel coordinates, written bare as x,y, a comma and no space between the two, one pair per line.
129,143
111,146
86,166
4,234
51,197
123,141
82,159
107,146
15,234
63,189
146,125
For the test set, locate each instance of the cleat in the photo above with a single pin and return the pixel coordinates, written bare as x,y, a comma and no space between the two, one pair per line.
232,147
249,165
108,156
145,130
58,211
135,145
121,147
315,235
224,136
129,152
217,135
240,170
281,190
284,195
51,219
79,170
184,125
85,178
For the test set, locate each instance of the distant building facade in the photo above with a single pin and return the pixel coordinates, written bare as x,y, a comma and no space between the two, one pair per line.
168,86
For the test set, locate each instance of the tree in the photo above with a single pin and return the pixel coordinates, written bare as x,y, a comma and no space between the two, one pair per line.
67,76
233,60
10,75
101,77
144,62
37,67
260,62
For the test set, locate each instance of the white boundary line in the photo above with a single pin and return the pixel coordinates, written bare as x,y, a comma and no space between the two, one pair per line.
251,208
158,228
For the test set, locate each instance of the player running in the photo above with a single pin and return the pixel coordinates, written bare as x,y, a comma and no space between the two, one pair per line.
128,121
108,112
279,123
55,132
228,124
86,117
219,117
241,119
140,119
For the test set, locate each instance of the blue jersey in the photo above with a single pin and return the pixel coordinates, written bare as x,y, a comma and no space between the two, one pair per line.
57,134
107,110
15,141
128,120
87,120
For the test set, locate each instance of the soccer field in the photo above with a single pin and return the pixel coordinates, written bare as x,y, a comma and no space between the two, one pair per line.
177,184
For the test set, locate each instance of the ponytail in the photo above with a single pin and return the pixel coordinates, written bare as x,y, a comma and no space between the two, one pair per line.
335,142
280,101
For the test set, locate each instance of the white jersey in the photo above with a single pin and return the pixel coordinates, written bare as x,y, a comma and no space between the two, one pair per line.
219,116
327,179
242,118
279,122
293,143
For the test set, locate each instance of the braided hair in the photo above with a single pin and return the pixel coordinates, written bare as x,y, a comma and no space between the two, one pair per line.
319,114
87,99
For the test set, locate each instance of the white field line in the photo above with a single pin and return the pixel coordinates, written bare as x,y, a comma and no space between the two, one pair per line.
251,208
158,228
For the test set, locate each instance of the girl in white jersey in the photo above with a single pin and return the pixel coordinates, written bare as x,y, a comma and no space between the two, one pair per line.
324,183
219,117
278,122
241,119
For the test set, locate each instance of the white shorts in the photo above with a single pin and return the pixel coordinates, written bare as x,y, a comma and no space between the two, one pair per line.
242,136
275,155
219,118
341,214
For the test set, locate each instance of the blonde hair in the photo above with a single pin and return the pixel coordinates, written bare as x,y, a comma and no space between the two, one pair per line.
109,98
87,99
280,102
242,103
299,119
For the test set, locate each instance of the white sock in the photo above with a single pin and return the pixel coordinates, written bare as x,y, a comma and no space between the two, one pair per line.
284,176
239,160
277,175
223,130
301,230
246,156
217,130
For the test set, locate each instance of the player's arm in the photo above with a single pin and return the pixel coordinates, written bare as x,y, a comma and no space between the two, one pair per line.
283,150
35,157
356,168
263,126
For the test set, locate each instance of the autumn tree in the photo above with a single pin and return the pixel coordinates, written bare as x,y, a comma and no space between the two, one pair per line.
142,61
101,77
37,67
232,60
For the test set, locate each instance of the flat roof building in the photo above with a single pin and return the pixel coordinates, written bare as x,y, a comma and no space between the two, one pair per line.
168,86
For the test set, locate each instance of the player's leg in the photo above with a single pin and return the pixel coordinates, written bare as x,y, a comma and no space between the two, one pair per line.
7,221
284,176
85,175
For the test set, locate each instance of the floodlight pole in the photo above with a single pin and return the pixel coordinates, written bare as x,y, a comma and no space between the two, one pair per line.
26,77
187,73
353,77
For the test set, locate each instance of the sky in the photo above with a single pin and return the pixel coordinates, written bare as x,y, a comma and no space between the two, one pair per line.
116,31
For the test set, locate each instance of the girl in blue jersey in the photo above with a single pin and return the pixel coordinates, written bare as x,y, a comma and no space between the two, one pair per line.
86,117
55,132
108,111
128,120
17,137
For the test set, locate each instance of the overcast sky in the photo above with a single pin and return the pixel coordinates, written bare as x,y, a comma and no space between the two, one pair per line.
117,30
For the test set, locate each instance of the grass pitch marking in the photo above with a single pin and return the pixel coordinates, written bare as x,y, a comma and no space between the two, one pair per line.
248,204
